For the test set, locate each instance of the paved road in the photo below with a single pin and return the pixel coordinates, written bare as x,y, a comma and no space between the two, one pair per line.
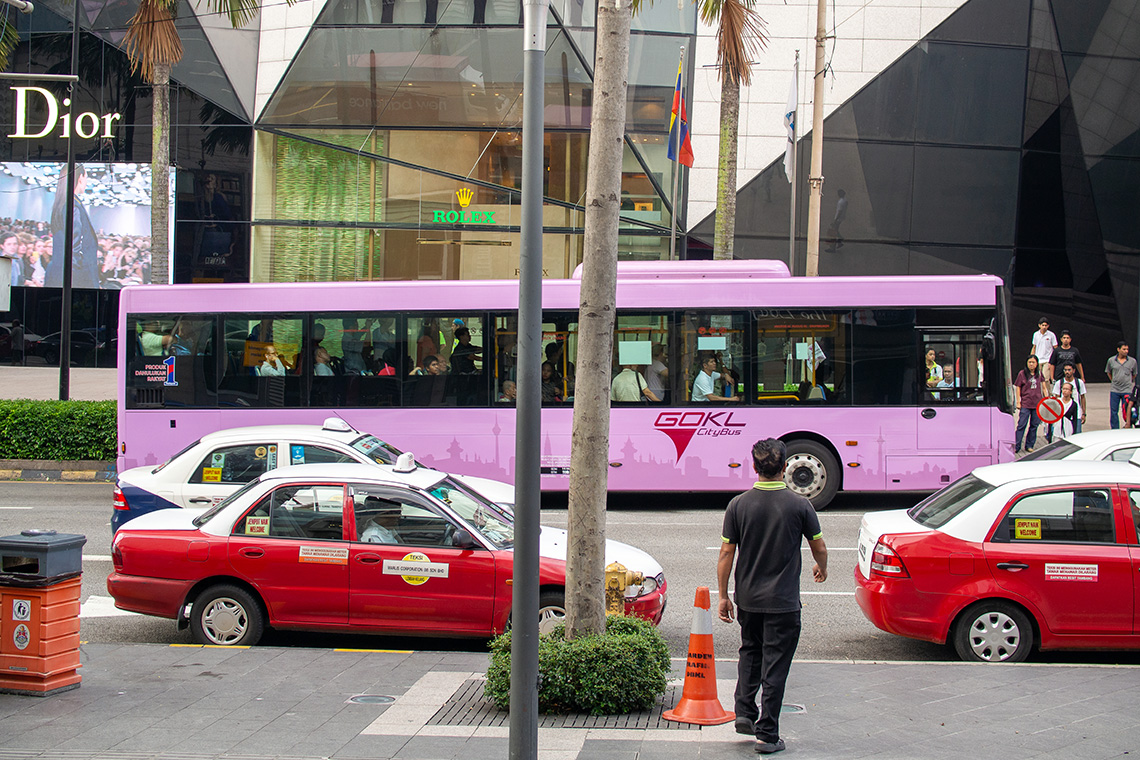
684,538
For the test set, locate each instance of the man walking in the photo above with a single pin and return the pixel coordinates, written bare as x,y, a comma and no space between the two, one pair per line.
1121,371
1044,341
1067,353
767,523
1068,375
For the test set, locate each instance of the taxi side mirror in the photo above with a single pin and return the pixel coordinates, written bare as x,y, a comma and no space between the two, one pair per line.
463,540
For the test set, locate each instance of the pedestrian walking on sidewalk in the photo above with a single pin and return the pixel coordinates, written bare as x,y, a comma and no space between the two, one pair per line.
1028,390
1121,371
1064,354
767,522
1044,341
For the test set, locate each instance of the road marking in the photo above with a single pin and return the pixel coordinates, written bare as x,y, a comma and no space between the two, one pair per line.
96,557
101,607
802,593
806,548
17,507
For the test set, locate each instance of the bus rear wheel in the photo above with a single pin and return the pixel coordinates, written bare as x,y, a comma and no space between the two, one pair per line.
812,471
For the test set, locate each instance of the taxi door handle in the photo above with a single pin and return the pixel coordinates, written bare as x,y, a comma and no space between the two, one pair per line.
367,559
201,500
1012,566
252,552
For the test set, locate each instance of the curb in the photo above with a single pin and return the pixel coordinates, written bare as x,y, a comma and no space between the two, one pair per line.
46,470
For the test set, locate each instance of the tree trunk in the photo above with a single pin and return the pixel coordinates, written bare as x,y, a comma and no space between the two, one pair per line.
725,231
590,443
160,178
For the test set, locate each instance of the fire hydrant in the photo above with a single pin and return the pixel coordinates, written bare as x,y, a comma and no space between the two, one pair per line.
617,579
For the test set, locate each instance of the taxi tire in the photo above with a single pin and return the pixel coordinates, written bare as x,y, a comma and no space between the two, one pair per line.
233,601
810,455
993,612
551,607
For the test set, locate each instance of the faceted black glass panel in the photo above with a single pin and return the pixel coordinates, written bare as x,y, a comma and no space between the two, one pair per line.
963,195
885,108
1002,22
1116,188
991,114
1041,217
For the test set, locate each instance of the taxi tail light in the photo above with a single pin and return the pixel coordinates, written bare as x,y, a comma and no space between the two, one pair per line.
886,563
118,501
117,556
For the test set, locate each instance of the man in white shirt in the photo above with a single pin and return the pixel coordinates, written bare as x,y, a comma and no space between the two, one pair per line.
629,386
1044,341
658,376
704,386
1069,375
947,381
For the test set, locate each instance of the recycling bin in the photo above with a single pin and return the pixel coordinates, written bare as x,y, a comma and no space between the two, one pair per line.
40,581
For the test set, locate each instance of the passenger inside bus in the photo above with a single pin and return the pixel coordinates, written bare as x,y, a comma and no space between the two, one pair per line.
509,394
551,385
705,384
272,365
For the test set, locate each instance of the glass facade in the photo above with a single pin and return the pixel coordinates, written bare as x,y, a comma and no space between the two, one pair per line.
1007,142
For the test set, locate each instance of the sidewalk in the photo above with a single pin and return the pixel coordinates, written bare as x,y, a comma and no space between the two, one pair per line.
177,702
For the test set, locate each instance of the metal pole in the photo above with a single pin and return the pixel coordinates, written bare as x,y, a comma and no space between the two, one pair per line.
795,170
20,5
69,225
677,164
523,741
816,177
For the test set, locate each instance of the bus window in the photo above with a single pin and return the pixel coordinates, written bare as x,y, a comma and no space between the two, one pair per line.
559,349
503,363
802,356
705,337
171,361
449,367
263,361
958,369
640,373
885,363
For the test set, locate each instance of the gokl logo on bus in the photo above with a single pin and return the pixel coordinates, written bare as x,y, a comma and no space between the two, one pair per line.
682,426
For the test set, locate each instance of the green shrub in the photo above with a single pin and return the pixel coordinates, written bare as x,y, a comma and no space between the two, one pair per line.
59,430
619,671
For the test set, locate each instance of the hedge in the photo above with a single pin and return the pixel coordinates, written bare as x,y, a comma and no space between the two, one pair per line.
622,670
58,430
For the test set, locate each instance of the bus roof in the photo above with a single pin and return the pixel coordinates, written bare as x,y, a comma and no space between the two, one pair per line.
679,287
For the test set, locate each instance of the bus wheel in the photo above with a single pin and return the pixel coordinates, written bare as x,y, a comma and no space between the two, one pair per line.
812,472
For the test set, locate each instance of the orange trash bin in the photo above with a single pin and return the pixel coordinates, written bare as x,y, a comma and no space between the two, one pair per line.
40,581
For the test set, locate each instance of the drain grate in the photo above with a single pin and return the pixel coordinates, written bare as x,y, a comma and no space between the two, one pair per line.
468,707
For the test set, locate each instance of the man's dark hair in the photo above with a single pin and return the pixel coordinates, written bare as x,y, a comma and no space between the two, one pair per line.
461,331
1043,321
768,457
1121,344
1066,332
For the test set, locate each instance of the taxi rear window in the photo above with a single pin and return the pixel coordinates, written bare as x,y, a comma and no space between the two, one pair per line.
944,506
1058,449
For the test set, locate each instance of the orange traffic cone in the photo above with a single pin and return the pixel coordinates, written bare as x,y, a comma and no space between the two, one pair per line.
699,703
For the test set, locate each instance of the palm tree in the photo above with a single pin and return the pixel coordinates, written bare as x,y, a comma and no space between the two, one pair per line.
8,40
739,37
153,46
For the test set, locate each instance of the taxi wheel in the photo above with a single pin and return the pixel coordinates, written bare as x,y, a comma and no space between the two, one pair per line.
812,472
551,611
993,631
226,616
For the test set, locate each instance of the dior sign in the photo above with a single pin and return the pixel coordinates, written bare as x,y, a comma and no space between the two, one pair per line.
87,124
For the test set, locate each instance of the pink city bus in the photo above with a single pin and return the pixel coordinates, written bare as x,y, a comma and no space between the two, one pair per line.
874,383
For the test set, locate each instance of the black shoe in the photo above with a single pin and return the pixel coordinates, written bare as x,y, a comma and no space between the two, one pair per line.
768,748
745,726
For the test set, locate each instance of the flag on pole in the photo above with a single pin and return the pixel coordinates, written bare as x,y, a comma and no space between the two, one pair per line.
679,127
790,124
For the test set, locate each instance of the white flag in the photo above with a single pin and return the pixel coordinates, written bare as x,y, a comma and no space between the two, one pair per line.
790,123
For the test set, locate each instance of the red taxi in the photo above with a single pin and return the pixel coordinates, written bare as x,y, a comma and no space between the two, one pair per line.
1009,558
345,547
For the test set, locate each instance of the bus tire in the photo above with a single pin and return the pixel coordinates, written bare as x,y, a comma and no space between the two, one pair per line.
812,471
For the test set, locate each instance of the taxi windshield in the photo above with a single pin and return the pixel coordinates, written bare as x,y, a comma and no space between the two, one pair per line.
209,514
376,450
1058,449
490,521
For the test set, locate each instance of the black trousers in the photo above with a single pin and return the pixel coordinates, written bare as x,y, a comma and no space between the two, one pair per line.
767,643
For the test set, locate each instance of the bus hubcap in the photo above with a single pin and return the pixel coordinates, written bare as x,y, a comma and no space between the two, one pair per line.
806,475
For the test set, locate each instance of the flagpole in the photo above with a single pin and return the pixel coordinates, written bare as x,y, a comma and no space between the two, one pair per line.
795,169
677,163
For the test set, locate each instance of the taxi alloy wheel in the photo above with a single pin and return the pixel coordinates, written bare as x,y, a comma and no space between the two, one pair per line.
226,616
551,611
812,472
993,631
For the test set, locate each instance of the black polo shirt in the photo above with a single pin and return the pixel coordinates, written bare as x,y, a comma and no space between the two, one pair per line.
768,524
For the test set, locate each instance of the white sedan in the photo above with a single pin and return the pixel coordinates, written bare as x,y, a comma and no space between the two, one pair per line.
218,464
1094,446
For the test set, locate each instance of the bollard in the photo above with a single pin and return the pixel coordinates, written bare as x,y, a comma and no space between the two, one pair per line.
40,581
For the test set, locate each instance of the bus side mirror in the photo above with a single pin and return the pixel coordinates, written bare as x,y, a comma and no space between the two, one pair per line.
989,346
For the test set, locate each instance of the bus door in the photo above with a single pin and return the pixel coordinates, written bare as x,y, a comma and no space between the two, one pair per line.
952,416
